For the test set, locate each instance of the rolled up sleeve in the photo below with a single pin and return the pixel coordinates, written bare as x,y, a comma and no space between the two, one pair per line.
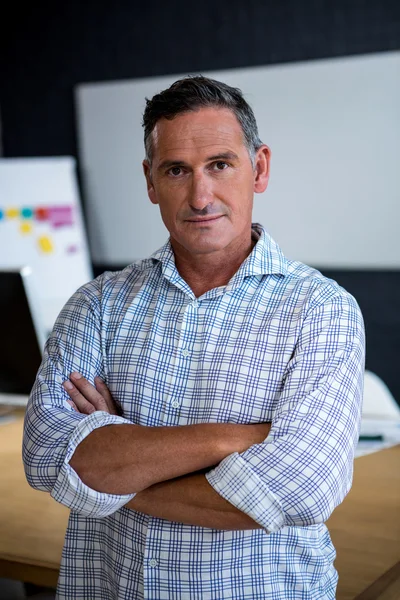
304,468
52,429
70,490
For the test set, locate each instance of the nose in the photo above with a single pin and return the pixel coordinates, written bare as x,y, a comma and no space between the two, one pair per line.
201,194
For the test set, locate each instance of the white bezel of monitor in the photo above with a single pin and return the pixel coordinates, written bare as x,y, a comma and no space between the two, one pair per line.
27,277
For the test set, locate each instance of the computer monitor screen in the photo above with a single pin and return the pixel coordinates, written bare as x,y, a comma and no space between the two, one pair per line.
20,352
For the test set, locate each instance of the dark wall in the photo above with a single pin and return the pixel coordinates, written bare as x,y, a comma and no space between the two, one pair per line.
378,294
46,49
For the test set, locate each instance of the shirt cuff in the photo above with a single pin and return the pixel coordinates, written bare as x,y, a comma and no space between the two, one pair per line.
70,490
236,481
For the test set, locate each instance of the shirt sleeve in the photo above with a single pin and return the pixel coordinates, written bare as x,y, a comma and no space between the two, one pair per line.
52,429
304,468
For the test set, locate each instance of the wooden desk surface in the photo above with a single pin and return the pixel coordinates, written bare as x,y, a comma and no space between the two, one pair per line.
32,524
365,529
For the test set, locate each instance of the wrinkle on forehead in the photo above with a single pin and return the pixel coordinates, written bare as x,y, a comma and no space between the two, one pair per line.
217,146
197,131
198,137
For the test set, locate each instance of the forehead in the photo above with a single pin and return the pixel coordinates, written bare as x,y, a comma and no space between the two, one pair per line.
203,129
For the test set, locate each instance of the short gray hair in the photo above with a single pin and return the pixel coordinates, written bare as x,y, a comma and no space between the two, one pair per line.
192,93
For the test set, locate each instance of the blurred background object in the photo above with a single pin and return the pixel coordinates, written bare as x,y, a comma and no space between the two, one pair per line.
380,423
22,335
41,227
320,118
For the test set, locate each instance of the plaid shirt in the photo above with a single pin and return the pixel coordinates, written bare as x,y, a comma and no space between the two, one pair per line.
281,343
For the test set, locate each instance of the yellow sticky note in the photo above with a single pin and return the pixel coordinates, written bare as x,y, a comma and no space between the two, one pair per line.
25,227
45,244
12,213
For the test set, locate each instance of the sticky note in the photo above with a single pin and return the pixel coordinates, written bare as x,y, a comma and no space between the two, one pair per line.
25,227
26,213
45,244
41,213
1,214
60,216
12,213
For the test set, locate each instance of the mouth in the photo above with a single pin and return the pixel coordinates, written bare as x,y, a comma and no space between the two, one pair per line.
204,220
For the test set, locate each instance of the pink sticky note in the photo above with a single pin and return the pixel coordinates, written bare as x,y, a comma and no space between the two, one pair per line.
60,216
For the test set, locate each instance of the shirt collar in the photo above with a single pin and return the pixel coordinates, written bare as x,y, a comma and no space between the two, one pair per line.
266,258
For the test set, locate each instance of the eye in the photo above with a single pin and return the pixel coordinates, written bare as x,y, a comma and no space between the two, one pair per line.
175,171
221,165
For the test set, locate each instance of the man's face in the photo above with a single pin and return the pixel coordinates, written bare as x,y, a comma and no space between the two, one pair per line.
203,180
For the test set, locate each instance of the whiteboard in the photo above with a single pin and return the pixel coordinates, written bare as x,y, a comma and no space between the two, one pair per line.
333,127
41,227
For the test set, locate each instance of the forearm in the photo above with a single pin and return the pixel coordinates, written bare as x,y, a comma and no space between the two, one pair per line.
191,500
125,459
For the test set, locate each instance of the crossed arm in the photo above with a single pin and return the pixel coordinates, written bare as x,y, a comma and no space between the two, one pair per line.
160,464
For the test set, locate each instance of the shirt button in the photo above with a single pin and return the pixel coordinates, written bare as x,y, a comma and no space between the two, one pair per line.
153,562
175,404
185,352
195,304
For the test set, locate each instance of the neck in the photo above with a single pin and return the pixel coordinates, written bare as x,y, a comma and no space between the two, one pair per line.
204,272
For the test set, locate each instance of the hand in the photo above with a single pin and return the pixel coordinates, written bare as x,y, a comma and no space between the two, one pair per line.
86,398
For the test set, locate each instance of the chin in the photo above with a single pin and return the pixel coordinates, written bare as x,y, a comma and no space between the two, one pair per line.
204,242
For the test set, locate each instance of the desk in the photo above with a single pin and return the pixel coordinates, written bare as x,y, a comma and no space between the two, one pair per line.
365,528
32,524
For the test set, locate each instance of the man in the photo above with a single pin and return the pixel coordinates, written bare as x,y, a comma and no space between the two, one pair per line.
198,411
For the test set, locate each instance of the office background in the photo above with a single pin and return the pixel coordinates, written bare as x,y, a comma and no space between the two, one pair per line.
46,50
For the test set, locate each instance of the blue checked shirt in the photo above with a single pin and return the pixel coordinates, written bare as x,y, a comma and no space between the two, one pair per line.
278,343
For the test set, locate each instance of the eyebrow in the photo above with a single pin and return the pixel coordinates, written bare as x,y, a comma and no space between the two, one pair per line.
165,164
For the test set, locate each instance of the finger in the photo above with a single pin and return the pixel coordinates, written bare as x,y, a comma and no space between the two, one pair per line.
74,406
105,392
88,391
78,399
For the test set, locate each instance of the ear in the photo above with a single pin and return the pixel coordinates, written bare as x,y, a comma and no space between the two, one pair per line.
149,182
261,169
